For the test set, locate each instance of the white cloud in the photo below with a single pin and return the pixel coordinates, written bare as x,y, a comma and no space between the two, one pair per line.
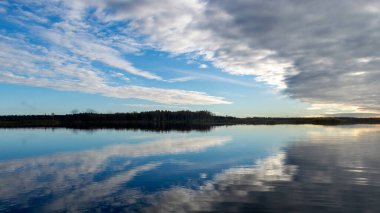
92,50
203,66
181,79
60,55
155,106
191,27
234,185
167,96
214,77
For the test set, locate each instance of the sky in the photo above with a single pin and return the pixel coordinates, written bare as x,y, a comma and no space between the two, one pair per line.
239,58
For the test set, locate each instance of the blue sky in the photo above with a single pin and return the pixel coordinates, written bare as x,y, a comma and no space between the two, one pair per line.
246,58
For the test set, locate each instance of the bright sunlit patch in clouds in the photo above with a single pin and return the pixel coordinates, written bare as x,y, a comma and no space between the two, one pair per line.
341,110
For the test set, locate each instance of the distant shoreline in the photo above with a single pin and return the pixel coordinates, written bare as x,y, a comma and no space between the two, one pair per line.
163,120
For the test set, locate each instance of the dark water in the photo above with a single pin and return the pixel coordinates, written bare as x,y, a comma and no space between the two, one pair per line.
229,169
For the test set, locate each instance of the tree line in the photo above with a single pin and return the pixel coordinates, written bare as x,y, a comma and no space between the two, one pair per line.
162,120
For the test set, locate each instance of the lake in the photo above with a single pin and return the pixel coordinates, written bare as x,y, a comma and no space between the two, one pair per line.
281,168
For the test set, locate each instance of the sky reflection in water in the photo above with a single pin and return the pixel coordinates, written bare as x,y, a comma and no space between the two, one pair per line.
230,169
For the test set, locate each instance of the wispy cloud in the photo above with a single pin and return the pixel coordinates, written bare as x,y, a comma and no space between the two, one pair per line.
181,79
60,53
203,66
213,77
155,106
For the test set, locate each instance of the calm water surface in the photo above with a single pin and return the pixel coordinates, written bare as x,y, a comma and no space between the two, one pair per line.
229,169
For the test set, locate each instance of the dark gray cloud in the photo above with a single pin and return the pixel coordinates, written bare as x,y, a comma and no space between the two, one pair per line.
333,45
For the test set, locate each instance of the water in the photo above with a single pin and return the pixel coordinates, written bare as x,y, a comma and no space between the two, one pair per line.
229,169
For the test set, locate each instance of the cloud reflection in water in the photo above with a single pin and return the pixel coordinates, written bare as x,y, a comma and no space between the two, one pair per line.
70,176
319,174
